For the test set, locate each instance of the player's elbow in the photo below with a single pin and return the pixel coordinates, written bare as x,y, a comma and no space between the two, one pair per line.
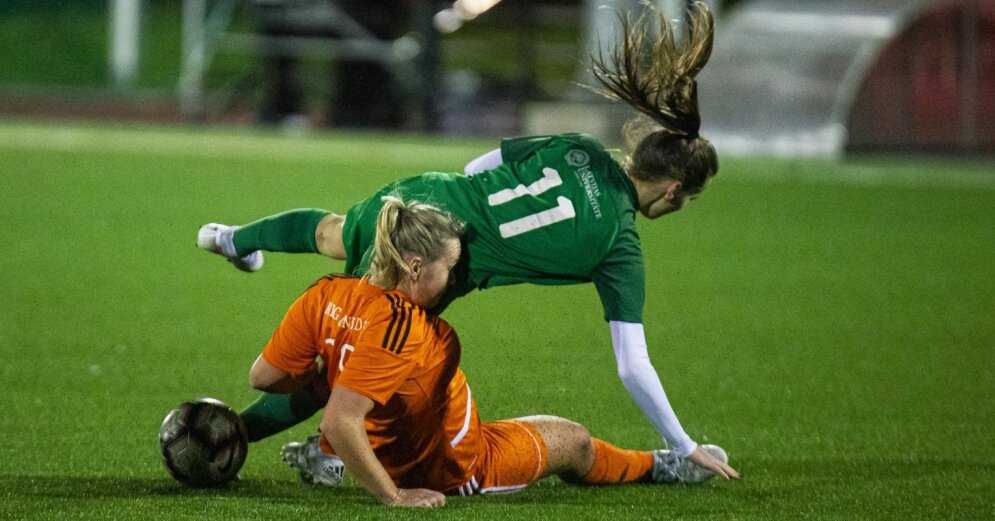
328,429
335,427
257,382
626,370
632,370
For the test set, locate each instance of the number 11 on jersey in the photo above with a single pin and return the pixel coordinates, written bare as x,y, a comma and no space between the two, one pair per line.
564,209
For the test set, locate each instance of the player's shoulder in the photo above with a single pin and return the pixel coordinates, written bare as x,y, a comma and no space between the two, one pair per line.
428,186
353,294
333,282
401,323
581,139
569,138
393,306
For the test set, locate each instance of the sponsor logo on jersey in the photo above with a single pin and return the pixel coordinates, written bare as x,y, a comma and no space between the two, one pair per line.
577,158
586,179
344,321
581,160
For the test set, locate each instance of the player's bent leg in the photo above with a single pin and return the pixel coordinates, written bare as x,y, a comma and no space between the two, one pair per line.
523,450
581,459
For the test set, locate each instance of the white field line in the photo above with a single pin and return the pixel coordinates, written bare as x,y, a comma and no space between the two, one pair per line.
179,143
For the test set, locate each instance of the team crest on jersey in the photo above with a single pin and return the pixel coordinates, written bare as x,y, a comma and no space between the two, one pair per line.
577,158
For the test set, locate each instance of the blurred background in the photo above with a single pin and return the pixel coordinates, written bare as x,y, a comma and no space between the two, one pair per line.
823,316
787,77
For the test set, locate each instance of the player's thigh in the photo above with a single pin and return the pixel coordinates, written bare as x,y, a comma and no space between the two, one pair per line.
568,443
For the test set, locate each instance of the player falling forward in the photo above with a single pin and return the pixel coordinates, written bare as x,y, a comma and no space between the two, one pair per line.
545,210
400,414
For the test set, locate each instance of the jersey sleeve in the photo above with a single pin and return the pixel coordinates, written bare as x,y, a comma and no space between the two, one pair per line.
293,348
620,279
385,353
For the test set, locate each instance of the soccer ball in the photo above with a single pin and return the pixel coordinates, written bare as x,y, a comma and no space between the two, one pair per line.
203,443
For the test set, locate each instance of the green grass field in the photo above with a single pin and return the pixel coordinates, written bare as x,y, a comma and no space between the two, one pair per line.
831,325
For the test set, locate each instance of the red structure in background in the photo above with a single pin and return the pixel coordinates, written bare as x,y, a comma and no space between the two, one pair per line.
933,88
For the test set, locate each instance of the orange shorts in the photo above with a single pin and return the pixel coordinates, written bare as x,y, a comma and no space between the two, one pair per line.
514,456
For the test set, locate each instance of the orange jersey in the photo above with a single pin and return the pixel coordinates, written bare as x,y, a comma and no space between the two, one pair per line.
424,428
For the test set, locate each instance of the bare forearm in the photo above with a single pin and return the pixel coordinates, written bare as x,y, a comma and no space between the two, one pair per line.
353,447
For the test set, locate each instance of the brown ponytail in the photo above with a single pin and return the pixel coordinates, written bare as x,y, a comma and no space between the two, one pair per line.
662,87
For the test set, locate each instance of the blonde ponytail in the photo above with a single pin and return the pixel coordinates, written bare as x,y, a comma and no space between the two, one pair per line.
408,228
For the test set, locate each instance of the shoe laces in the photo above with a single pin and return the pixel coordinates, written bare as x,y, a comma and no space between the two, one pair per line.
667,466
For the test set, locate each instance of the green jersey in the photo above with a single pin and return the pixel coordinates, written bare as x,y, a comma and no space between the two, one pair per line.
558,210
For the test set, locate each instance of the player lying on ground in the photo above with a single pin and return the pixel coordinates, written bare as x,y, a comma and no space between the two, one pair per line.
400,415
553,210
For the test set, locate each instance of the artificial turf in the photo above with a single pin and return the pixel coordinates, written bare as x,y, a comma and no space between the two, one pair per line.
832,325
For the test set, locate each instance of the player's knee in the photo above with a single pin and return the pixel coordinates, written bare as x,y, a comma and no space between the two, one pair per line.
580,442
328,236
575,452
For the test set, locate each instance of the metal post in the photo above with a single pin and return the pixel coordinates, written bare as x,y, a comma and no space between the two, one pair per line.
125,42
193,61
970,44
426,66
601,29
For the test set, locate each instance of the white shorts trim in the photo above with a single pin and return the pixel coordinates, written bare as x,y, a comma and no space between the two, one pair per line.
466,421
538,452
472,488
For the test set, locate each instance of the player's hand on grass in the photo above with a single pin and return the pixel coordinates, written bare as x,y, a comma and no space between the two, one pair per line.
702,458
418,498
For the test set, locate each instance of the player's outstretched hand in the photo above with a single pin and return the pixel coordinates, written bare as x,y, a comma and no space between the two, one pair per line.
418,498
702,458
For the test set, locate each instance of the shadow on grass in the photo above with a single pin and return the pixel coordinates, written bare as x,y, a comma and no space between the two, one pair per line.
778,485
771,474
266,491
113,487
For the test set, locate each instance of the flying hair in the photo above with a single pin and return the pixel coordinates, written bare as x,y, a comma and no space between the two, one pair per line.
661,83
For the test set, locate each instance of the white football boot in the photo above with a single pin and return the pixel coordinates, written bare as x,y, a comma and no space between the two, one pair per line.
315,467
669,468
217,238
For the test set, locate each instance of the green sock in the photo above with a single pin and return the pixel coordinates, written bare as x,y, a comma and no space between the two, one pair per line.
273,413
291,232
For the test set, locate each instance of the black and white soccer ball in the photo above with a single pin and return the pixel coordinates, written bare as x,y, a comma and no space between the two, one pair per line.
203,443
